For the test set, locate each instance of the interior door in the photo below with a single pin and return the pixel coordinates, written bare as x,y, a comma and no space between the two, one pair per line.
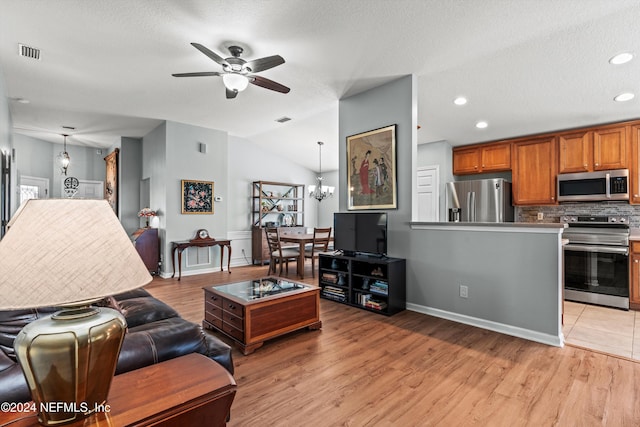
33,187
428,194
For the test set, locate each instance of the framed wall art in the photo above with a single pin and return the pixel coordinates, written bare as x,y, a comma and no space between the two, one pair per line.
371,169
111,180
197,197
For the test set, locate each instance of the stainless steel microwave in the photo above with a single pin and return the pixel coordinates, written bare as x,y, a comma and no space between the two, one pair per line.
594,186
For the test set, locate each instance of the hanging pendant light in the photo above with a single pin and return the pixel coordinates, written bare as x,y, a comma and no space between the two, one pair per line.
64,156
319,191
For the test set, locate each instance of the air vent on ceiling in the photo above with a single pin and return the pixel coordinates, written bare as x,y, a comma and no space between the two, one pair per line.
28,52
283,119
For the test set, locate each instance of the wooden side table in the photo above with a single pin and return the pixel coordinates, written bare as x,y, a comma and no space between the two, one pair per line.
181,246
191,390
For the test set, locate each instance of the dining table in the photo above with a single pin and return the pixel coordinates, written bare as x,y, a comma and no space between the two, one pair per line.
302,240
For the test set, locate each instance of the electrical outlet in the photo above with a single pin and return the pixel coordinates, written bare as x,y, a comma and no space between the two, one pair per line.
540,216
464,291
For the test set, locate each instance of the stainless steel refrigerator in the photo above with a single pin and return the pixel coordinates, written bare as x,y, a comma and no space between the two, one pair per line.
483,200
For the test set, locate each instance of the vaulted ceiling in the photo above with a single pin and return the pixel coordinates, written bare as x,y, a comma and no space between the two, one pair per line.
525,66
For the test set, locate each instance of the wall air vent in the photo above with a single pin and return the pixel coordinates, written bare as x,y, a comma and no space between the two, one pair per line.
28,52
283,119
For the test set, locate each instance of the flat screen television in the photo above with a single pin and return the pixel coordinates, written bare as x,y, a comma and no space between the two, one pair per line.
360,232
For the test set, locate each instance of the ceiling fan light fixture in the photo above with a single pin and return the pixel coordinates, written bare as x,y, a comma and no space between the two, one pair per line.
235,82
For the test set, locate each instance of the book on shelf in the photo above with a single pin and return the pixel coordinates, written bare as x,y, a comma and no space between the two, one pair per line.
330,277
333,293
362,298
376,305
379,287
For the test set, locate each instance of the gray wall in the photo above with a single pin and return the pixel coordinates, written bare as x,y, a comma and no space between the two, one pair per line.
130,177
249,161
496,266
170,154
38,158
392,103
513,279
34,157
6,135
326,208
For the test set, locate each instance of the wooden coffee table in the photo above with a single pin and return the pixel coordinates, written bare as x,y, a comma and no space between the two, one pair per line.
254,311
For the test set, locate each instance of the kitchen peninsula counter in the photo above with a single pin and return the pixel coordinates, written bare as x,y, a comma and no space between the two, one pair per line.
512,226
506,277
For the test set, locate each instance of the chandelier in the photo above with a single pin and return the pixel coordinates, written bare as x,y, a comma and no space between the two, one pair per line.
64,157
319,191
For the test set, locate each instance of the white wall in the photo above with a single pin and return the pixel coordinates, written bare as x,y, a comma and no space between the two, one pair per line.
438,153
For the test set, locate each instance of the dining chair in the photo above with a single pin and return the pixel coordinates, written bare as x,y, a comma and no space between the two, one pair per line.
278,254
321,238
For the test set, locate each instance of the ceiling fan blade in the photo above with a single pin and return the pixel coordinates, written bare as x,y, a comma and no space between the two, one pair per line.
200,74
268,84
217,58
231,93
262,64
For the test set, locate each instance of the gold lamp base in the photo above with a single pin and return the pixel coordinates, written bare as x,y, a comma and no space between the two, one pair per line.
69,360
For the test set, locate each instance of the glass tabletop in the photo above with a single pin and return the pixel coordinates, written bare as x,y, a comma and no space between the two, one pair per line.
259,288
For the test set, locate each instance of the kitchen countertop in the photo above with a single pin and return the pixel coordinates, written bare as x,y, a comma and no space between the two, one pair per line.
541,225
634,234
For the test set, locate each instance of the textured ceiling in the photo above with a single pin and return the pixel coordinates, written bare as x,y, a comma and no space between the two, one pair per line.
526,66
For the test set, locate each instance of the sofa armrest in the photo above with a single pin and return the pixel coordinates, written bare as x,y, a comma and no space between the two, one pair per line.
14,385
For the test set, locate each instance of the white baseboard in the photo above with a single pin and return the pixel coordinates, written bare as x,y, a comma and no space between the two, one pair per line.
556,341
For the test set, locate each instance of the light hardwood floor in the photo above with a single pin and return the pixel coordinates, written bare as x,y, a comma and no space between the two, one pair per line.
364,369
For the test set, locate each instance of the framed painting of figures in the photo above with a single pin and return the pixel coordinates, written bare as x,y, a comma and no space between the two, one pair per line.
371,168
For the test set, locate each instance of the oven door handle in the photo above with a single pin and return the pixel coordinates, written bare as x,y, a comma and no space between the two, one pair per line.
596,248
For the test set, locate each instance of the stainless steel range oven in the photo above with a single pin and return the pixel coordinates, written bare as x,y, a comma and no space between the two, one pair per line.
596,260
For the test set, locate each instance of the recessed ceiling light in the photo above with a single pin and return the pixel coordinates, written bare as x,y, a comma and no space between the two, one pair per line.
627,96
482,125
621,58
461,100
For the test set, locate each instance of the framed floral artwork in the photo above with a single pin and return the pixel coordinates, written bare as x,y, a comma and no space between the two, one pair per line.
371,169
197,197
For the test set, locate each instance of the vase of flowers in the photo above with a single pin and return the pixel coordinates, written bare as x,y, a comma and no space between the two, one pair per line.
146,213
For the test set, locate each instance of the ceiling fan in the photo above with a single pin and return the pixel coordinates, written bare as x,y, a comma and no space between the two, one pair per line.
238,73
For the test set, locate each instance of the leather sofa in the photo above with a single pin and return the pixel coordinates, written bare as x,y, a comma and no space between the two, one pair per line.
155,333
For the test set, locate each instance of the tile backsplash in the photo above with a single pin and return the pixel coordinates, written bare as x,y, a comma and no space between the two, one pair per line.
553,213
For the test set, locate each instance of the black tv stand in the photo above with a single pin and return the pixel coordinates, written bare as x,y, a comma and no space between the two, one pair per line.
368,281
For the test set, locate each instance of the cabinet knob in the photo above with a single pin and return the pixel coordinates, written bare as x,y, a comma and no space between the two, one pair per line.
214,298
585,165
597,164
636,261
